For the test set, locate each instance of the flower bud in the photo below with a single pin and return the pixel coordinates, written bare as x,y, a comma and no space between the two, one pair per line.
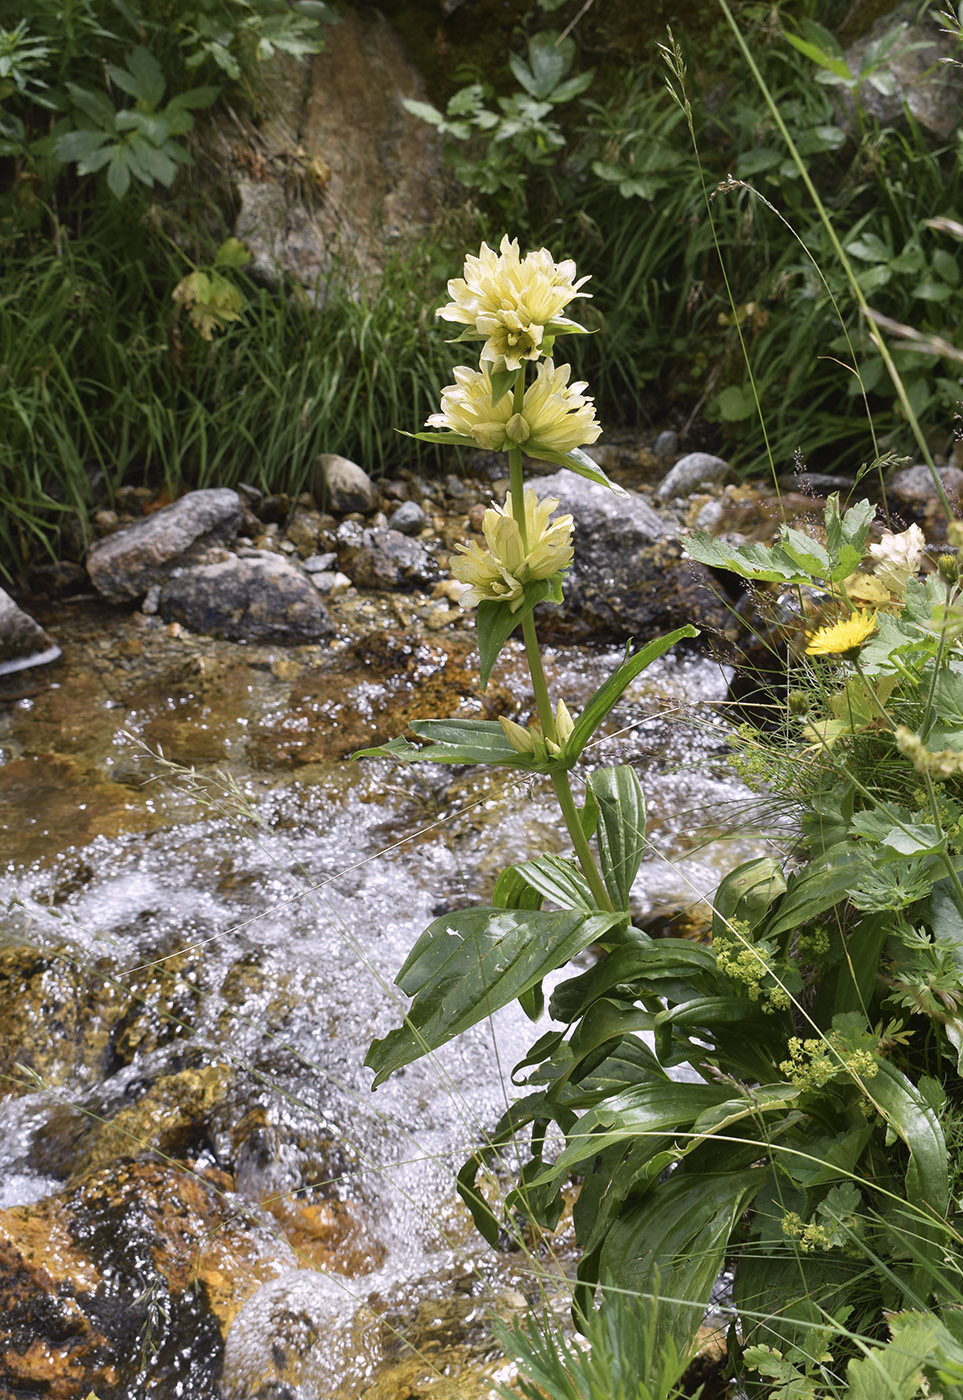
949,568
799,702
517,429
564,724
522,740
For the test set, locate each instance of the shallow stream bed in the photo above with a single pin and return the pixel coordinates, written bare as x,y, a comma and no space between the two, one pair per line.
200,1194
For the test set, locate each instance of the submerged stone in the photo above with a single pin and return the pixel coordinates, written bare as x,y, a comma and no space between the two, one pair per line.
265,599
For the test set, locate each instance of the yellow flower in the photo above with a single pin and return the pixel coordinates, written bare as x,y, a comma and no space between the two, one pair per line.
509,301
556,416
467,409
500,573
531,741
840,637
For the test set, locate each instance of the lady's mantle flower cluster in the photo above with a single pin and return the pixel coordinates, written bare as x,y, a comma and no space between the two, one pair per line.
500,575
510,302
555,415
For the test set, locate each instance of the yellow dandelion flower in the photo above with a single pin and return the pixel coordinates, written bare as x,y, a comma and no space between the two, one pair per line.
841,637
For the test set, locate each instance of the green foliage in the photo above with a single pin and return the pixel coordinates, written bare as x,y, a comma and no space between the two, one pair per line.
65,75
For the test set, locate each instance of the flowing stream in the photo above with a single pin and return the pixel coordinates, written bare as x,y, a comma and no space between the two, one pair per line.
196,959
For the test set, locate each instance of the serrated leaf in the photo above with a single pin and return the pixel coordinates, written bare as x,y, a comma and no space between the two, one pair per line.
751,561
143,78
468,964
80,145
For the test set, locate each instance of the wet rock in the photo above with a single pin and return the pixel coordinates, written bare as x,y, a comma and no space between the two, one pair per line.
305,531
125,564
912,73
295,1336
629,578
23,642
264,599
138,1262
409,518
693,470
387,559
341,486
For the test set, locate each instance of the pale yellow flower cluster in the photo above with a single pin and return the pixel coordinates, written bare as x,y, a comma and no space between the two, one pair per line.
500,574
510,301
556,416
939,763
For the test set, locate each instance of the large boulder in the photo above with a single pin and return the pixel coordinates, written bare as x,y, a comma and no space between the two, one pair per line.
629,577
337,174
264,599
124,565
23,642
914,72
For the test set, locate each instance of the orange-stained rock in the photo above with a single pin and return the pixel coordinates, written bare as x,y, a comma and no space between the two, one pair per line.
141,1255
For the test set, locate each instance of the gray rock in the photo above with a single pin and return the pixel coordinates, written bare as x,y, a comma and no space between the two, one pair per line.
264,599
341,486
595,507
914,485
319,563
23,642
338,175
385,559
629,578
666,445
409,518
916,77
693,470
124,565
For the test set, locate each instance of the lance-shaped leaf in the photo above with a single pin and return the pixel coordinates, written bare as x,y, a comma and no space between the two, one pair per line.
496,621
678,1234
576,461
470,963
607,694
621,829
546,877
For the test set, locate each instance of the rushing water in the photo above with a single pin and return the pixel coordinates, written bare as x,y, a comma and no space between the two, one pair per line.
248,917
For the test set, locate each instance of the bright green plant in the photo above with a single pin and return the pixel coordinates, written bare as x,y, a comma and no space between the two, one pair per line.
821,1030
495,149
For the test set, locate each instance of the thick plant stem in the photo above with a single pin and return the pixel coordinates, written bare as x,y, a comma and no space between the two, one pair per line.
583,850
543,703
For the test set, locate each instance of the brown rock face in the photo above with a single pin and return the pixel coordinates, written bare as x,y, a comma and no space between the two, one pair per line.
337,172
136,1272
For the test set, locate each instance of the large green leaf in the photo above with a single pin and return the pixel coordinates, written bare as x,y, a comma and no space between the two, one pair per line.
576,461
751,561
621,829
608,693
746,893
676,1238
909,1116
550,877
468,964
824,882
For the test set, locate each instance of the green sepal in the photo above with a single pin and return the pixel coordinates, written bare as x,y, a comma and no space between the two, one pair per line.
502,380
468,964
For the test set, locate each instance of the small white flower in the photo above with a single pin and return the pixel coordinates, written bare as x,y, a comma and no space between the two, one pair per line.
899,557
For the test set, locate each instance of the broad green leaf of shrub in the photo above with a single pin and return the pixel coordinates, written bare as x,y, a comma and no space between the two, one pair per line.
468,964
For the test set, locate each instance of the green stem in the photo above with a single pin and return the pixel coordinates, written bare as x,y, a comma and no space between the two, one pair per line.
583,850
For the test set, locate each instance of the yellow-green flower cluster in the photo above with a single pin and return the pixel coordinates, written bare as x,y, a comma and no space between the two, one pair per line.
939,763
747,963
555,416
813,1063
500,574
510,302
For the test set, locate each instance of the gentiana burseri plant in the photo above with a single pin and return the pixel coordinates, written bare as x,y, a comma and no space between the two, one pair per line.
779,1100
